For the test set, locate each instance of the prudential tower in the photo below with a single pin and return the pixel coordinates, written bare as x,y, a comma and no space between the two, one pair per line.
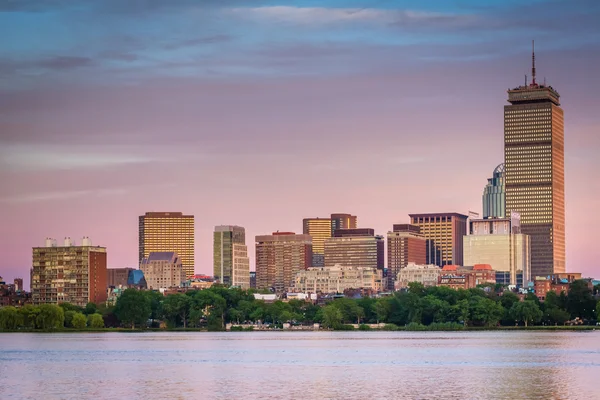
534,171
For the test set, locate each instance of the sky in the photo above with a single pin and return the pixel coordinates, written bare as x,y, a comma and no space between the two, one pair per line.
262,113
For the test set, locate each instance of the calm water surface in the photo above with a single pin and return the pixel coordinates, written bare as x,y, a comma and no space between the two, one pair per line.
296,365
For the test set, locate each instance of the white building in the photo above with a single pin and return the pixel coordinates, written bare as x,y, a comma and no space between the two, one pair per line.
427,275
163,270
336,279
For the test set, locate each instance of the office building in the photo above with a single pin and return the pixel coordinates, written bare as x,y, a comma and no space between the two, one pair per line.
320,230
444,234
343,221
355,248
69,273
425,274
117,277
231,265
535,171
457,277
168,232
337,279
163,270
405,244
500,243
279,257
494,195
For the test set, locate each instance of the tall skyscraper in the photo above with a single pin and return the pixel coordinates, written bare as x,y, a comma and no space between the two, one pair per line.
320,230
534,171
168,232
278,257
69,273
343,221
494,205
355,248
444,233
231,265
405,245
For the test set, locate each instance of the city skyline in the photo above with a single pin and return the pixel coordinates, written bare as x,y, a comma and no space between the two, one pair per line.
93,121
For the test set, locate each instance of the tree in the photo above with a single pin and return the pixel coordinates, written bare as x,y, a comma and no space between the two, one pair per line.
382,309
598,311
50,317
90,308
580,302
555,315
332,317
177,306
69,318
485,311
79,321
526,311
156,300
95,321
10,319
133,307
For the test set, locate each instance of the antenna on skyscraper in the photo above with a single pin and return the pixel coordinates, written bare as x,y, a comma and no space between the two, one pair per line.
525,79
533,62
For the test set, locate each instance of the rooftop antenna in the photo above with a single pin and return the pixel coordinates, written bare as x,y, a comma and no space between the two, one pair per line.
533,62
525,79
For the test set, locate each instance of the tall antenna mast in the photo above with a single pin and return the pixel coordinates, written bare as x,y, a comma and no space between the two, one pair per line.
533,62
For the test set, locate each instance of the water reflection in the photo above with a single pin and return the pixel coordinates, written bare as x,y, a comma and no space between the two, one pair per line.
345,365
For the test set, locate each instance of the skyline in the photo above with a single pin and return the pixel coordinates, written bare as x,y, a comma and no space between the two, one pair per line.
340,108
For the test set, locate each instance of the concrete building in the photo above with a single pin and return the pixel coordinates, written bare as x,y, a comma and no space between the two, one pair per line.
231,265
405,244
426,275
535,171
343,221
168,232
337,279
444,233
320,230
457,277
500,243
117,277
279,257
69,273
163,270
493,198
355,248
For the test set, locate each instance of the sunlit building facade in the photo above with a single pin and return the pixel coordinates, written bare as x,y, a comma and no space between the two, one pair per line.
343,221
337,279
355,248
494,195
444,233
163,270
168,232
405,244
425,274
231,265
320,230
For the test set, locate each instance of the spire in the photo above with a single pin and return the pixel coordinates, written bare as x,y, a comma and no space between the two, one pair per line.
533,63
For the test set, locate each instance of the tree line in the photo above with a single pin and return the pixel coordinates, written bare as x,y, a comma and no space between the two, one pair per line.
418,307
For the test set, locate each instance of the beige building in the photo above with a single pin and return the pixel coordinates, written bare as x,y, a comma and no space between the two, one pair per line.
240,267
69,273
117,277
163,270
424,274
279,257
168,232
231,265
336,279
444,233
355,248
319,230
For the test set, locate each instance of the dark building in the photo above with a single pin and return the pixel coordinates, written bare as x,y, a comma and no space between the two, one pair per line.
117,277
343,221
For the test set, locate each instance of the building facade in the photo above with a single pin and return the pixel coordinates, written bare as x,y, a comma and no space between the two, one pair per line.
320,230
405,244
279,257
69,273
168,232
231,265
534,171
426,274
500,243
117,277
337,279
444,233
494,195
163,270
456,277
343,221
355,248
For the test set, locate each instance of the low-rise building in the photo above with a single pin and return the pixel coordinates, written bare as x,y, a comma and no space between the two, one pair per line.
12,294
163,270
556,283
457,277
337,279
425,274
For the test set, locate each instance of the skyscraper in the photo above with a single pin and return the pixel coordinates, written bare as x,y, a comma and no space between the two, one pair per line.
231,265
320,230
343,221
279,256
168,232
534,171
444,233
355,248
405,245
494,195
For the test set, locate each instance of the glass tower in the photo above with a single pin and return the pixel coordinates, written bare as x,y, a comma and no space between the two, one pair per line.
494,195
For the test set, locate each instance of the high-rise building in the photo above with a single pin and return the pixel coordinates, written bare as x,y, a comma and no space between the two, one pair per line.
117,277
168,232
320,230
343,221
355,248
279,256
444,233
534,171
69,273
494,195
231,265
163,270
498,242
405,244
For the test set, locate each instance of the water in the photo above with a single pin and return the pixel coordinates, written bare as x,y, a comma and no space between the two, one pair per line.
301,365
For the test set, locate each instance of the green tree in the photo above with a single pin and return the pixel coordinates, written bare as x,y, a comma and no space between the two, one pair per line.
526,311
177,306
484,311
79,321
95,321
69,318
382,309
580,302
598,311
156,301
70,307
332,317
133,308
50,317
90,308
29,314
10,319
555,315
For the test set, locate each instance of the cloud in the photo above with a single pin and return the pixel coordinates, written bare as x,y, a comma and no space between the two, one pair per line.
64,62
197,41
